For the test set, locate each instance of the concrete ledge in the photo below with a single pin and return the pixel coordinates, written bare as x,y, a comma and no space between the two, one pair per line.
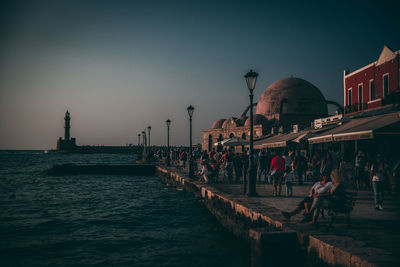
266,228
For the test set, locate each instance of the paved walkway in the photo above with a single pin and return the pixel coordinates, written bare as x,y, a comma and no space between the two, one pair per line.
374,235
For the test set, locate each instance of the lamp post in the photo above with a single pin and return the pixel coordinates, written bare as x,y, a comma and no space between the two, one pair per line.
168,122
148,129
190,110
138,136
251,79
144,141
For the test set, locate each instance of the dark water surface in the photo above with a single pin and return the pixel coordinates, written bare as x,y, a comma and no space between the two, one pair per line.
103,220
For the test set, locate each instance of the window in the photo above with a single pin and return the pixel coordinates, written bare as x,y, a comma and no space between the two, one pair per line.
360,88
231,135
385,85
209,142
371,90
349,97
244,136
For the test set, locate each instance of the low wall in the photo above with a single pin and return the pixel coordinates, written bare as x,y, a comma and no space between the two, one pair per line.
270,239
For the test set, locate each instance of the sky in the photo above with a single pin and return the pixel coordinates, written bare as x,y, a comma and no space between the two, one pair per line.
120,66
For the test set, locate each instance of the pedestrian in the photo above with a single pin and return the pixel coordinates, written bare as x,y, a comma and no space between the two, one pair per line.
228,166
300,166
262,165
245,164
183,158
237,163
277,169
288,177
377,180
359,164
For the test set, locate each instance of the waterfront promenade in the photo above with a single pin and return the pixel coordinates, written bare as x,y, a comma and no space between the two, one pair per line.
372,240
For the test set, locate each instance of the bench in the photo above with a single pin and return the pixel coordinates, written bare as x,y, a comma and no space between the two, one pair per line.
344,206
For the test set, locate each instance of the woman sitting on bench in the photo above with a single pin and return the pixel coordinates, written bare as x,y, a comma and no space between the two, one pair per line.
335,196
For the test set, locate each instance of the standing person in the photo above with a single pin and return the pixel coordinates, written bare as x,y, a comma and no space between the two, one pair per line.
237,163
288,159
212,153
277,167
204,156
377,180
262,165
288,177
245,164
316,166
326,164
300,166
183,158
228,165
359,163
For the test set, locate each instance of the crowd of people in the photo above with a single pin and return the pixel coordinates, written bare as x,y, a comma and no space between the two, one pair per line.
284,168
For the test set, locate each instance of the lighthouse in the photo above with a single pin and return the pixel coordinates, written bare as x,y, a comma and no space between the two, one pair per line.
67,126
68,143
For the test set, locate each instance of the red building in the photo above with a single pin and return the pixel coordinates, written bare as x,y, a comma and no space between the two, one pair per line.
374,85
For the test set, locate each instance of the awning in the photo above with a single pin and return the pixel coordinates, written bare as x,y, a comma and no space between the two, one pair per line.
357,129
279,140
234,141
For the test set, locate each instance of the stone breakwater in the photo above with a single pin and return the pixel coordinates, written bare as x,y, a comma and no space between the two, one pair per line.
273,239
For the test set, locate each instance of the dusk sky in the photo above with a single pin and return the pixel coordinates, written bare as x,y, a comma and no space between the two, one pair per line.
119,66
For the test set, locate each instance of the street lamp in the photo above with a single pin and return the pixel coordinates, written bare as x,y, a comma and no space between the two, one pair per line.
149,128
251,79
138,136
190,110
144,141
168,122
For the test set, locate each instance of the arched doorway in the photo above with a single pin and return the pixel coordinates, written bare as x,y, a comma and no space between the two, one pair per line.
209,143
231,135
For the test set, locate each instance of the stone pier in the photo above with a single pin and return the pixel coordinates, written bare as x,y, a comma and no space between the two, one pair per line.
372,239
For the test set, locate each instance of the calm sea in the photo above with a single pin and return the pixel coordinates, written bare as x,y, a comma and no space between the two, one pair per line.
86,220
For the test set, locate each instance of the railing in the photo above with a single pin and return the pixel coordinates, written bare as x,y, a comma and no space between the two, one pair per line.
355,107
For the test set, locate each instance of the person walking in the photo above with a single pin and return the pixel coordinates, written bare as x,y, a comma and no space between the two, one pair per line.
262,165
359,164
288,177
277,167
378,176
237,164
245,164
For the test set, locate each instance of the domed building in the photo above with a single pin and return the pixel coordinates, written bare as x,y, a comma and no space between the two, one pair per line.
286,102
292,101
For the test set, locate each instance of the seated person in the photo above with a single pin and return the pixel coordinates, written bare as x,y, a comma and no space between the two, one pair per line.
335,195
206,172
306,204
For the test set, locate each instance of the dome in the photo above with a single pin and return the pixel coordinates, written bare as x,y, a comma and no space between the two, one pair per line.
257,120
231,122
292,96
217,124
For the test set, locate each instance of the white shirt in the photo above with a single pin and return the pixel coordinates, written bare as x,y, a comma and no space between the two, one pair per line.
322,188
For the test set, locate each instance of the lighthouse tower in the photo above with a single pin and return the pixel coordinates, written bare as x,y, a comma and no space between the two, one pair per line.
68,143
67,126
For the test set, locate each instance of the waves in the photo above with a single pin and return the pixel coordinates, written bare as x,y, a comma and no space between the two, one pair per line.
104,220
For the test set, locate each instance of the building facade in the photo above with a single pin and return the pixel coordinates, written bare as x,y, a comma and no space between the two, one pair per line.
374,85
286,102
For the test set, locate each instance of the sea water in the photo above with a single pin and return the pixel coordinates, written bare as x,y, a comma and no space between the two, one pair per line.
103,220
